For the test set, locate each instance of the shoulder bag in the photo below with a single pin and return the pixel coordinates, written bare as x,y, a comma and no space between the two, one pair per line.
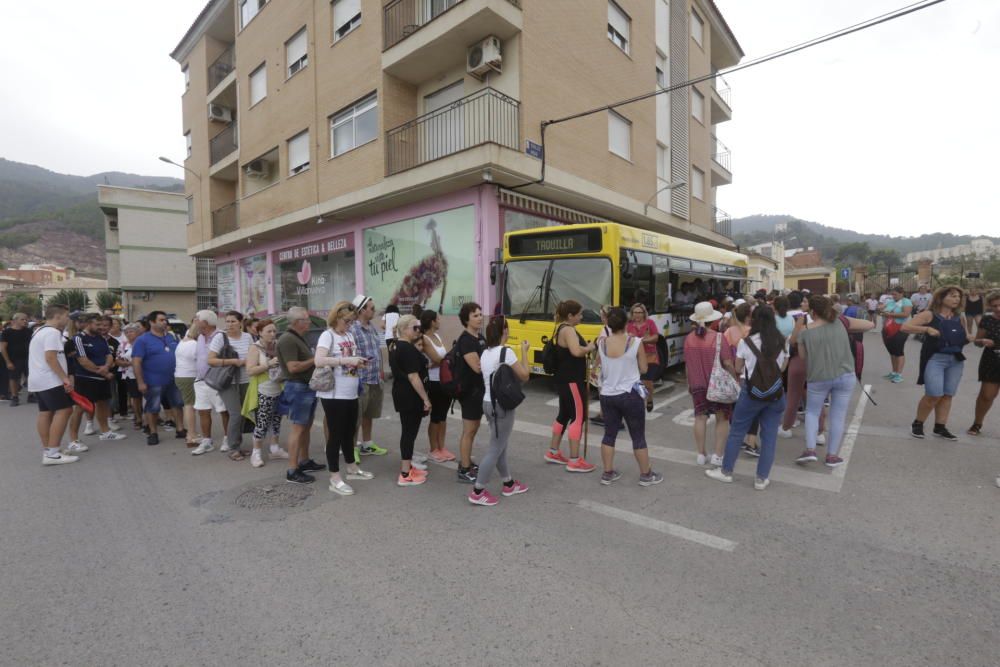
323,377
220,378
722,386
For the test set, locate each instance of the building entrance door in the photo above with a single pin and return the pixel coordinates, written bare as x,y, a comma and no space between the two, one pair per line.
444,124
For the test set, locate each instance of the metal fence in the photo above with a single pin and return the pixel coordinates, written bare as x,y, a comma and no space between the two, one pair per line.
721,156
484,117
223,143
723,222
402,18
226,219
221,67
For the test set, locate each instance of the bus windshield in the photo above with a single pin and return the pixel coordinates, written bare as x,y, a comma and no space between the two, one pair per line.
534,287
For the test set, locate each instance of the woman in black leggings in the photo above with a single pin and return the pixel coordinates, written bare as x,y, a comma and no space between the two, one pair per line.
570,376
409,394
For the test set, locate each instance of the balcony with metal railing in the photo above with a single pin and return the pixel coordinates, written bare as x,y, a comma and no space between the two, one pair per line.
486,116
421,38
723,222
226,219
721,164
224,143
721,100
221,67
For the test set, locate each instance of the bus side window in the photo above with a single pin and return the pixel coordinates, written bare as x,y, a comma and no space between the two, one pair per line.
636,279
661,284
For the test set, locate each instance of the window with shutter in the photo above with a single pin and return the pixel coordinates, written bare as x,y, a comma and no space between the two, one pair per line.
619,135
618,26
346,17
697,183
258,84
697,105
296,52
697,28
298,153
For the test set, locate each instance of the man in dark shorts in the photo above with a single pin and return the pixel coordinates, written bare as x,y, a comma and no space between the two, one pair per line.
298,401
470,345
94,364
14,348
49,380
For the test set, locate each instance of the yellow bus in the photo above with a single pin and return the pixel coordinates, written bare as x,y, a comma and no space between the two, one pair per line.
610,264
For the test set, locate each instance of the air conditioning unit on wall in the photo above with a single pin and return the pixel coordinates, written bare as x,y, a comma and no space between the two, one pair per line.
258,169
484,57
220,113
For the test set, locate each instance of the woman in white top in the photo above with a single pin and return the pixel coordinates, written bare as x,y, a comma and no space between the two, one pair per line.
337,349
500,420
132,331
262,361
623,362
435,350
233,395
184,373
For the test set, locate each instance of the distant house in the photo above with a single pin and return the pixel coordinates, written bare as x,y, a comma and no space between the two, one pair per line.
979,248
89,285
805,270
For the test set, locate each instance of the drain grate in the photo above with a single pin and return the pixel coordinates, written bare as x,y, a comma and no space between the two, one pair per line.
273,496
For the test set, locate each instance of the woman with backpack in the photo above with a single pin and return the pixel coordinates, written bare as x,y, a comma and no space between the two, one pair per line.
434,350
571,374
739,327
760,359
499,419
409,395
642,327
941,358
700,347
824,346
623,361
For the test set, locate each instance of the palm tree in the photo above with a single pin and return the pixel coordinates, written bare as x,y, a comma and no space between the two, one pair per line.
74,299
106,300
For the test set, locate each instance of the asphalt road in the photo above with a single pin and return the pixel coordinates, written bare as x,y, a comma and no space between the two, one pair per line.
141,555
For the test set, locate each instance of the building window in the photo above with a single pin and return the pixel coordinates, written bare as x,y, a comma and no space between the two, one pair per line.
187,142
296,52
618,26
661,70
697,28
250,9
697,105
354,126
662,162
346,17
298,153
697,183
187,77
619,135
258,84
190,206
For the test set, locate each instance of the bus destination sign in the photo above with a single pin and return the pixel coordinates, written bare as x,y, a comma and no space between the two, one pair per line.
556,243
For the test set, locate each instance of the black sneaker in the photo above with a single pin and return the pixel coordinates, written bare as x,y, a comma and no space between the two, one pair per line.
153,439
181,435
311,466
751,451
941,431
917,429
466,475
15,401
32,399
145,429
299,477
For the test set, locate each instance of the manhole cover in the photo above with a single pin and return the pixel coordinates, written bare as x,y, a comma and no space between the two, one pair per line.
275,496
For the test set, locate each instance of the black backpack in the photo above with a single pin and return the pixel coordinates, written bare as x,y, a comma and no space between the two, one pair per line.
452,371
550,360
505,388
764,384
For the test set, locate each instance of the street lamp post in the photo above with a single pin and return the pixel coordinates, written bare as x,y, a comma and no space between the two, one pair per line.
177,164
668,186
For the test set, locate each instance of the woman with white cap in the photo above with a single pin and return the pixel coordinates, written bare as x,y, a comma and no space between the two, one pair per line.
701,348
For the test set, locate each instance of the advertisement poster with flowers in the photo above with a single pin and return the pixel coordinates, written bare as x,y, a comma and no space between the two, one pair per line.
253,285
429,261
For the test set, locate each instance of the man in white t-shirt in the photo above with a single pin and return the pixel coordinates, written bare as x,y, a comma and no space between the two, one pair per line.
49,379
921,299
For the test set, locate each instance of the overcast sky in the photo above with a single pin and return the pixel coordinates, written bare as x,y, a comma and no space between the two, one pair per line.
890,130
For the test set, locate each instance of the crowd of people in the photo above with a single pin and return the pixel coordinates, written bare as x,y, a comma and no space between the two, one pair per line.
757,367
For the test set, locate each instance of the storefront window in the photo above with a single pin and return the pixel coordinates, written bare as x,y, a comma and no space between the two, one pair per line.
428,261
315,275
253,285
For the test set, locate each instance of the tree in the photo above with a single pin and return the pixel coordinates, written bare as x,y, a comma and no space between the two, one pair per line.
20,302
106,300
885,257
853,253
74,299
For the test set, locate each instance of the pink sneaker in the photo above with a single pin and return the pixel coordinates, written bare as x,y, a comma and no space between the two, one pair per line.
513,489
833,461
445,454
556,458
484,498
580,465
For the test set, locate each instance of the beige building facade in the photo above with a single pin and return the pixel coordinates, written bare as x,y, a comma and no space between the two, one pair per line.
145,234
363,145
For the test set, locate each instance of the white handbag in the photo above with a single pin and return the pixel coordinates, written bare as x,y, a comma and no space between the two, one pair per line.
722,386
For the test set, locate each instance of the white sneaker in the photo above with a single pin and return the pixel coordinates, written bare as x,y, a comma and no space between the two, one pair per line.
89,428
341,487
417,464
716,460
76,447
225,445
821,439
256,460
113,426
419,458
360,474
702,459
797,424
57,460
718,475
205,447
278,454
782,433
111,435
760,484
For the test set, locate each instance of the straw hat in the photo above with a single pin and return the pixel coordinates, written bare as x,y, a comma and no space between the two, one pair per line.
704,312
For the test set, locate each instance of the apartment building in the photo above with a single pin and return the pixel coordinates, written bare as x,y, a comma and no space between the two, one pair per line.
385,147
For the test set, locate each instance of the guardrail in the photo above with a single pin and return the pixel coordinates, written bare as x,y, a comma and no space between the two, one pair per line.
723,222
221,67
223,143
722,155
226,219
402,18
484,117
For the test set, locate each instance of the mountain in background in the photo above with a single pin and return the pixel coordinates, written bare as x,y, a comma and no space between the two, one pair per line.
41,211
755,229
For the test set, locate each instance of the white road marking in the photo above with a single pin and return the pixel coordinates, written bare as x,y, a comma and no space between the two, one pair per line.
851,436
672,529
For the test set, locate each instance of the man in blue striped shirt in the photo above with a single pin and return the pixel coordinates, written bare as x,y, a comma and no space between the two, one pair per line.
368,339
